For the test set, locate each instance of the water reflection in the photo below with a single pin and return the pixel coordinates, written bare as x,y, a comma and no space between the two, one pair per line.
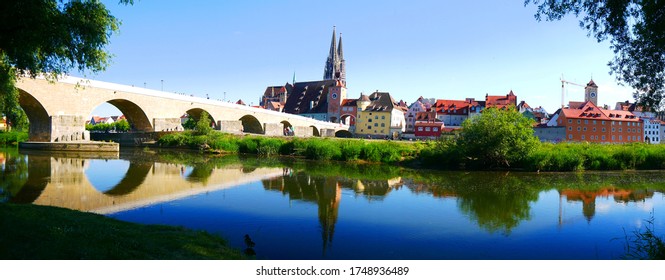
589,197
326,193
398,203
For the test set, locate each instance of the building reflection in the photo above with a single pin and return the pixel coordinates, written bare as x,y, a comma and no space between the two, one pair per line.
588,198
326,192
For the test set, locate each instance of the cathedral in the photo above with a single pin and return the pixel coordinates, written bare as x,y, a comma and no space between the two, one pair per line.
319,100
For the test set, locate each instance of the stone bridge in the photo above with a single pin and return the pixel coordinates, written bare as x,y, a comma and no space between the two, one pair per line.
59,110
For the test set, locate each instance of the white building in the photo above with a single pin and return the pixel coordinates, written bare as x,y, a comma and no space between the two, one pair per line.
652,131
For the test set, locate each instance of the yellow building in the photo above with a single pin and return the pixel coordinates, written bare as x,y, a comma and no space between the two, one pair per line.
3,124
379,116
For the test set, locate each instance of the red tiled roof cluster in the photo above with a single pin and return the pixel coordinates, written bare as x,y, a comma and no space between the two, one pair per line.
501,101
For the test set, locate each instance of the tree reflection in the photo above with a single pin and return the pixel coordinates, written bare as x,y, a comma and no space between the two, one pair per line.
13,173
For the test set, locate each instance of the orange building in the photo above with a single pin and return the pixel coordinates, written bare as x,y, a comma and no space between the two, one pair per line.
588,122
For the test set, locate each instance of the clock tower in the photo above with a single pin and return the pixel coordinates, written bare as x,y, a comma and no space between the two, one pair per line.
591,92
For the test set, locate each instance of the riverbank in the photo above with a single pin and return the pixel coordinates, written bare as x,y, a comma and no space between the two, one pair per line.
445,154
12,138
42,232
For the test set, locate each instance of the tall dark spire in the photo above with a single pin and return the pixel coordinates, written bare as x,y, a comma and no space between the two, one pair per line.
333,60
341,70
335,64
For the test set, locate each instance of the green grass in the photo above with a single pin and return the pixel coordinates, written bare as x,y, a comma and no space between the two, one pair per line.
444,154
42,232
310,148
12,138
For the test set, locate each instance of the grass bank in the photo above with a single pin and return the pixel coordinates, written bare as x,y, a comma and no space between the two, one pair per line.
310,148
42,232
12,138
444,154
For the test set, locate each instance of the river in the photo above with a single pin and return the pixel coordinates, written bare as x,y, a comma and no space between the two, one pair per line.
296,209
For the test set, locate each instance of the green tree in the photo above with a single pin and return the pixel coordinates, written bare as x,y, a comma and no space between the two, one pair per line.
50,37
636,32
203,124
497,138
190,123
121,126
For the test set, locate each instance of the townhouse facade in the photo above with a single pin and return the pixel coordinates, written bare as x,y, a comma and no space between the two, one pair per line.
379,116
589,123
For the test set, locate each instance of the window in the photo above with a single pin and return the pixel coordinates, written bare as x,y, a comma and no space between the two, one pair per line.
383,117
594,129
583,137
427,129
579,121
570,136
579,128
586,121
435,129
619,129
570,121
612,137
619,123
420,128
383,125
570,128
370,120
620,138
584,128
613,129
376,117
603,129
376,124
603,137
603,122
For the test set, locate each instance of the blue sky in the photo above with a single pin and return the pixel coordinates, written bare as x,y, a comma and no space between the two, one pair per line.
438,49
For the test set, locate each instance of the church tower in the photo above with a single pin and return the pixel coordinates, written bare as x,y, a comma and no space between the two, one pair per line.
335,64
591,92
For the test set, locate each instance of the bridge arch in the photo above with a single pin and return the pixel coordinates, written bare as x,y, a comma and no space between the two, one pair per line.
347,119
251,124
136,117
134,177
195,113
287,128
315,131
40,124
343,134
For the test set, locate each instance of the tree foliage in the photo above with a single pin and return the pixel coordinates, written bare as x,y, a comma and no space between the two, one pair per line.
118,126
497,138
50,37
203,124
636,32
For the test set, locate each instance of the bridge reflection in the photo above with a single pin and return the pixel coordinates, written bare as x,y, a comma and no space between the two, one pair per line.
63,182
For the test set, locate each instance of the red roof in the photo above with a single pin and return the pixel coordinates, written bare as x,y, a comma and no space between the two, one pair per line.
501,101
588,110
452,107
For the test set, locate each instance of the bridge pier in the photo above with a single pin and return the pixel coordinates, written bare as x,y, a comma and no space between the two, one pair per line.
303,131
327,132
233,127
273,129
64,128
167,124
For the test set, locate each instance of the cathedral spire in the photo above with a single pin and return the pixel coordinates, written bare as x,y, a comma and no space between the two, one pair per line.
340,53
333,60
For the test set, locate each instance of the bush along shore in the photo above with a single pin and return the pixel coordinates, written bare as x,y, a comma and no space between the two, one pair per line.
12,138
447,154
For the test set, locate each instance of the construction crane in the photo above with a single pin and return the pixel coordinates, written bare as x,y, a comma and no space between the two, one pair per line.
563,82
